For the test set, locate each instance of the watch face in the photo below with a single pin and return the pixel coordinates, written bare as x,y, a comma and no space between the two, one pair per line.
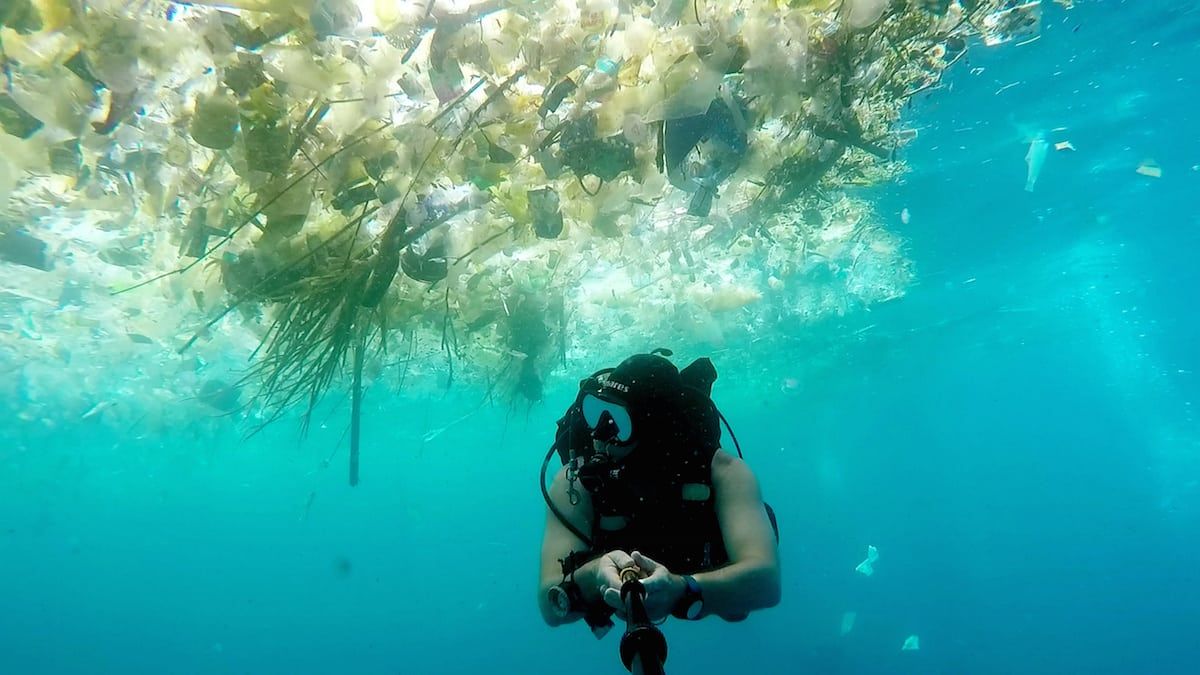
694,609
560,603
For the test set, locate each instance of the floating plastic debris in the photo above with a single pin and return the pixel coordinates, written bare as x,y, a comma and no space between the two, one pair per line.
1150,169
334,17
15,120
1018,20
848,619
429,265
219,395
274,167
20,15
905,216
867,567
22,248
667,12
547,218
863,13
120,106
1064,145
912,643
215,122
97,409
1034,159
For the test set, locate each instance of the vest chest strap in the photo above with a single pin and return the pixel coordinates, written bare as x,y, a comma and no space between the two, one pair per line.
696,492
612,523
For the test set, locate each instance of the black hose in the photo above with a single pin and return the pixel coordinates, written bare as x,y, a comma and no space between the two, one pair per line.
731,434
554,509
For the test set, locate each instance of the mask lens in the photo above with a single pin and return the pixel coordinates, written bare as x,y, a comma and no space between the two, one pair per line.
594,408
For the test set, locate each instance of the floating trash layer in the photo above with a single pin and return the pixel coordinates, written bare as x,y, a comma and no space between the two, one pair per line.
345,191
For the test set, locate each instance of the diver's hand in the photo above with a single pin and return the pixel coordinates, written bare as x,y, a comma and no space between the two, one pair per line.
663,589
607,578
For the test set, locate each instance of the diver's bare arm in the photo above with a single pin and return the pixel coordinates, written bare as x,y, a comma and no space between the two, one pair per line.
558,542
751,580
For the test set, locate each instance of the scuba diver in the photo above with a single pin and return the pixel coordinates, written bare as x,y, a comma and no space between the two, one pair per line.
646,488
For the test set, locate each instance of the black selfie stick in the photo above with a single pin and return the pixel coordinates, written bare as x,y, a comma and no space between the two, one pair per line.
643,647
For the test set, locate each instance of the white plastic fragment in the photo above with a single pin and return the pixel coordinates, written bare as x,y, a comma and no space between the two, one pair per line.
1034,159
863,13
912,643
97,409
667,13
1150,169
867,567
905,216
1064,145
848,619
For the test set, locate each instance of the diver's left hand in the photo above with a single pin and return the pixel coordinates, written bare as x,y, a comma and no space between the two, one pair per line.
663,589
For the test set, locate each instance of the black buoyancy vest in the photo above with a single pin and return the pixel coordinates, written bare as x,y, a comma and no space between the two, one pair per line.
660,501
671,518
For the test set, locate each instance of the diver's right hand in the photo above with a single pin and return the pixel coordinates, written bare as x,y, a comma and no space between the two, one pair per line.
606,578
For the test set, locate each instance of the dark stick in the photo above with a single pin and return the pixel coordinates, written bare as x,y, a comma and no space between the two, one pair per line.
356,412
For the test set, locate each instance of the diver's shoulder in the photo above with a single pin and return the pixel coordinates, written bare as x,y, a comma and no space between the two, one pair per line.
725,461
727,467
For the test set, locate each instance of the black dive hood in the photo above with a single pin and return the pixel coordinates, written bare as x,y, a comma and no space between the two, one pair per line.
667,406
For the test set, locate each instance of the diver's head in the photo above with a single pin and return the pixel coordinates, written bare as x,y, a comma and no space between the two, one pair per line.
634,403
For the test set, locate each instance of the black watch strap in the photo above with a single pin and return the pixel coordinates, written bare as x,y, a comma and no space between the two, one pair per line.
691,603
574,595
598,617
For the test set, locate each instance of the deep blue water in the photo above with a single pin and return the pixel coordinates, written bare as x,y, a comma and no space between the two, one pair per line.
1016,436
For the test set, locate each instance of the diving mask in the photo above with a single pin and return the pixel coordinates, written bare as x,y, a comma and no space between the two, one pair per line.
609,421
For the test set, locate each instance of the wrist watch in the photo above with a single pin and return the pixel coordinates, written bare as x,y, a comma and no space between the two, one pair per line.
691,604
567,598
564,598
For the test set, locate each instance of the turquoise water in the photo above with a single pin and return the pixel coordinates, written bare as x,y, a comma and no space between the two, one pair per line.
1017,437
